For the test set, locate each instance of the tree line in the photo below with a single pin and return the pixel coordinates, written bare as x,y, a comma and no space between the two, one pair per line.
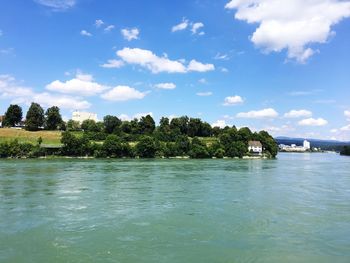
345,151
113,137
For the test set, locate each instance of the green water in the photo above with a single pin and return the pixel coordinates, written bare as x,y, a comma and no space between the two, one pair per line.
293,209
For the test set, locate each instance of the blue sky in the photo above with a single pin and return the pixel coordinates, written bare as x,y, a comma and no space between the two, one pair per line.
266,64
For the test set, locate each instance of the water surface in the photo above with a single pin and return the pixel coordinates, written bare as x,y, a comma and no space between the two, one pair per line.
293,209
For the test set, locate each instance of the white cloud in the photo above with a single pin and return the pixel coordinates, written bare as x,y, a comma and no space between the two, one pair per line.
130,34
298,114
224,70
220,56
196,27
259,114
165,86
313,122
123,93
204,94
57,5
219,123
147,59
199,67
82,84
233,100
85,33
99,23
182,26
109,28
347,113
65,102
345,128
25,95
292,25
113,63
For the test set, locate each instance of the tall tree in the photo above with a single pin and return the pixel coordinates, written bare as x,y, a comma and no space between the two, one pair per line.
13,115
111,123
53,118
35,117
147,125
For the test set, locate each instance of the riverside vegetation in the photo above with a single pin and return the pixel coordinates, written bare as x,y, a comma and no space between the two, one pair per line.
114,138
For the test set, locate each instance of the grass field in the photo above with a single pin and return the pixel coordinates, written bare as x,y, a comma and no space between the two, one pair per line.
49,137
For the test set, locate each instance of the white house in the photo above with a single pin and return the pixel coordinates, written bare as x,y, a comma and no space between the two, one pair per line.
255,147
81,116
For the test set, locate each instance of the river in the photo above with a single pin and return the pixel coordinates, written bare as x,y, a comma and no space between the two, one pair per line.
292,209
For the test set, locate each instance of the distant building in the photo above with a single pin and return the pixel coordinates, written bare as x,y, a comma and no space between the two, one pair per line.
294,148
255,147
80,116
307,145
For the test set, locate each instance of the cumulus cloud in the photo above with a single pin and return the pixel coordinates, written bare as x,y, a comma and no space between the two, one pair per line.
57,5
219,123
85,33
182,26
199,67
113,63
204,94
149,60
258,114
19,94
130,34
298,114
123,93
99,23
82,84
233,100
313,122
292,25
165,86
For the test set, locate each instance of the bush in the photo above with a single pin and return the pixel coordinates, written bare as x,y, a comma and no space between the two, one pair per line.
146,147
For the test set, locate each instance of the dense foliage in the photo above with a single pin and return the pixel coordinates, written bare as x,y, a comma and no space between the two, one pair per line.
114,138
345,151
35,117
13,115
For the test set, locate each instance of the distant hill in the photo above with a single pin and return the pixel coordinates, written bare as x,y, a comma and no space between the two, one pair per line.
323,144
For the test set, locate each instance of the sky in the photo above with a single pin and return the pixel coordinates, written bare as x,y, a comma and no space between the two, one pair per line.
280,66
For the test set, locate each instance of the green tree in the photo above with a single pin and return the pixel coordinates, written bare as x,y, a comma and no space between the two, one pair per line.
182,145
13,115
112,146
73,125
237,149
194,127
198,149
269,144
53,118
111,123
74,146
147,125
35,117
90,126
146,147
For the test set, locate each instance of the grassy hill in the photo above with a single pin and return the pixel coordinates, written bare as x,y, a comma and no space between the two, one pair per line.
49,137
